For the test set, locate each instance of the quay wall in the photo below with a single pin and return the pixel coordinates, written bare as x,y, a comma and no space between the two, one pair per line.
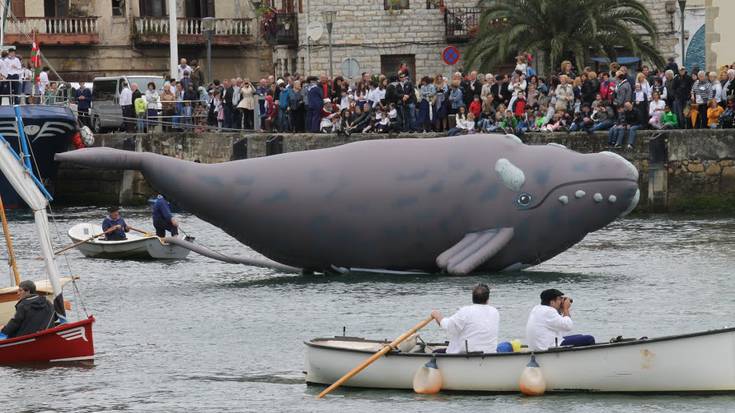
680,170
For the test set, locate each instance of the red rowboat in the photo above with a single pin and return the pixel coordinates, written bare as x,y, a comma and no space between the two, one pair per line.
67,342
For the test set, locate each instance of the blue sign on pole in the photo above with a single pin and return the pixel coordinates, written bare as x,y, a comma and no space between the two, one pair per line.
450,55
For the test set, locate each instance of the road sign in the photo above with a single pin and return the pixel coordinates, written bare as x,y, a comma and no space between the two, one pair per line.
350,68
450,55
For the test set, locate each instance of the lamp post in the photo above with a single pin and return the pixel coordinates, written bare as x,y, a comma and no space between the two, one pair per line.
329,21
208,31
682,6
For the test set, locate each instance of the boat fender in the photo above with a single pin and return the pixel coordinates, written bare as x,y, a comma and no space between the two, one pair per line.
428,378
532,382
408,344
516,345
504,347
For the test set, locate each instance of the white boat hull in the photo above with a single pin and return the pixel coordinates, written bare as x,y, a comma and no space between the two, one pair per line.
135,247
701,362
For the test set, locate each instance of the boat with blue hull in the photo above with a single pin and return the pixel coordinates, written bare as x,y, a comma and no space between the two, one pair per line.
48,130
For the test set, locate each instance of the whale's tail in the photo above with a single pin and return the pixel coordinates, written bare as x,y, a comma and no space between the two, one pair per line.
107,158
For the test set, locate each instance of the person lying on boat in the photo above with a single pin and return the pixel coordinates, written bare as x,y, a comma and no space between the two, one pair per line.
163,220
550,321
33,313
473,327
114,225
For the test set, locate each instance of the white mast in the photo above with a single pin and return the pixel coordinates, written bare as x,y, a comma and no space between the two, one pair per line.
173,38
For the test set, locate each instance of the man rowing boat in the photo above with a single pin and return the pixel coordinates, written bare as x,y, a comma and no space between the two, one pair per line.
474,327
114,226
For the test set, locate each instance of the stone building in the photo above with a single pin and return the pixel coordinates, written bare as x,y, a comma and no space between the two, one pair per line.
86,38
374,35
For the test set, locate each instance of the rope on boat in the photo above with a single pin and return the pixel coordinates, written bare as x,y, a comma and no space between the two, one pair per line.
254,262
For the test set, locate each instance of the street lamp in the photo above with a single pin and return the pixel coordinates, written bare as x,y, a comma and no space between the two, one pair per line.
208,30
682,6
329,20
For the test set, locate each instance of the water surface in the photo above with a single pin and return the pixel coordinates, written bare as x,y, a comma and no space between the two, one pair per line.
202,336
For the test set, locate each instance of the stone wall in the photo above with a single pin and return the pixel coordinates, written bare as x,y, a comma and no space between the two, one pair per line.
365,31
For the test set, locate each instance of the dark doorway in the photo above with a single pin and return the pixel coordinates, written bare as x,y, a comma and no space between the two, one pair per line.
199,8
152,8
55,8
390,63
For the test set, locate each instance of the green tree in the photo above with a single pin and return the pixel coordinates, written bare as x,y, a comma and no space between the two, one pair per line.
562,29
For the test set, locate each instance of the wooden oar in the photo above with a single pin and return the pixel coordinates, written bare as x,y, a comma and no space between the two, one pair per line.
67,248
146,233
376,356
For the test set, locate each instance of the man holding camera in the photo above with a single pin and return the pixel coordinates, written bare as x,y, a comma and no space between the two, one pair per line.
548,322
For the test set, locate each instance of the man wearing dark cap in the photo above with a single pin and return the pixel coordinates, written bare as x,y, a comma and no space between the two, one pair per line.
33,313
473,327
114,225
548,321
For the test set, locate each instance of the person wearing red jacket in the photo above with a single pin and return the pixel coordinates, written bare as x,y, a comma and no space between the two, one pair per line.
476,107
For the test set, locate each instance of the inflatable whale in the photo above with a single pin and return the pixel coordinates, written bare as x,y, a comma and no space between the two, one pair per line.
455,205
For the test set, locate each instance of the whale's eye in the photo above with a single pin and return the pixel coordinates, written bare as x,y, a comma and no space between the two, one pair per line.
524,199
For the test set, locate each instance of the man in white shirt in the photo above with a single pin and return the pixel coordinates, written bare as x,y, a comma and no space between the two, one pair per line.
550,320
183,67
474,327
128,112
15,69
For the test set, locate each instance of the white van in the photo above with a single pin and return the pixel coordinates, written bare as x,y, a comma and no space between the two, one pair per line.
105,111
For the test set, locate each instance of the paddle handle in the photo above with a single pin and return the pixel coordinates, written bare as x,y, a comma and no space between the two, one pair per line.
375,356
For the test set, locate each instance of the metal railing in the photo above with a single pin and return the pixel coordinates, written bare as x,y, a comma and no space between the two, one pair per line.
193,26
53,25
461,23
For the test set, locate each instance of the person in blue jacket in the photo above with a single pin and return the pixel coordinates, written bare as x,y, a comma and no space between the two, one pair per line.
163,220
316,102
114,225
83,97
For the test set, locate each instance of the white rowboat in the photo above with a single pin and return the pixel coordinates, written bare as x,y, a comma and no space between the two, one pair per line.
137,246
698,362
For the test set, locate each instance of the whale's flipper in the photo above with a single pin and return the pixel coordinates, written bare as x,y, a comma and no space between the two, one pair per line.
474,249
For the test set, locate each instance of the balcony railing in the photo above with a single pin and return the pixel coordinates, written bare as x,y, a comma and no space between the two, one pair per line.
52,30
189,30
461,24
282,29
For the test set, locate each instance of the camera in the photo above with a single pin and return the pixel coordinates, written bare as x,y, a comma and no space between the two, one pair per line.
571,301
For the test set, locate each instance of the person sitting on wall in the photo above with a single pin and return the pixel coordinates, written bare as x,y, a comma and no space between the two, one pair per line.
163,220
33,313
114,225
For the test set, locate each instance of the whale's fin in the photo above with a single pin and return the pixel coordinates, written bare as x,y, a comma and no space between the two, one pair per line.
473,250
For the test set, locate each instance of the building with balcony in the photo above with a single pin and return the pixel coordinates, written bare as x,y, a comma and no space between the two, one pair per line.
87,38
378,34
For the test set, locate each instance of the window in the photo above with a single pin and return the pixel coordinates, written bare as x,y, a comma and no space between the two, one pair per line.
118,8
104,90
152,8
55,8
395,4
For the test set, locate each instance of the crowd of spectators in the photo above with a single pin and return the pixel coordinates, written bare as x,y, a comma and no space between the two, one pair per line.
617,99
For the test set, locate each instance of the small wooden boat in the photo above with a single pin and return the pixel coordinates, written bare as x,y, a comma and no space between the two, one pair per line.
66,342
698,362
137,246
9,296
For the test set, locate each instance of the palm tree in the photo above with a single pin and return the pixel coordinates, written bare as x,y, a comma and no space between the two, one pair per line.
562,29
